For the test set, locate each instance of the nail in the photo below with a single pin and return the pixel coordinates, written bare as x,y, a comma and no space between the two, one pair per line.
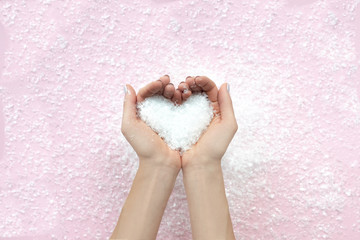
185,90
125,90
195,79
167,75
188,77
228,87
161,82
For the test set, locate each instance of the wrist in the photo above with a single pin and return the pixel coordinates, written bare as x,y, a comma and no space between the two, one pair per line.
142,212
157,179
156,165
167,162
213,167
209,209
195,172
191,163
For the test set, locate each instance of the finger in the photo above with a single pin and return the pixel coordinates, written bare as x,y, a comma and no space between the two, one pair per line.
149,90
177,97
208,86
165,80
185,95
184,89
183,86
192,85
129,109
226,107
169,91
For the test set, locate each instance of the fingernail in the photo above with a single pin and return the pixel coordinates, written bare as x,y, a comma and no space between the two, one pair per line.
195,79
188,77
125,90
161,82
185,90
167,75
228,87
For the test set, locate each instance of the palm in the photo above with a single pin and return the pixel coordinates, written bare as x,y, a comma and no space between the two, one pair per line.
146,143
149,145
207,144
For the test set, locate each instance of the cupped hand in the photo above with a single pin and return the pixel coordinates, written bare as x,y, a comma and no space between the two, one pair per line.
149,147
213,143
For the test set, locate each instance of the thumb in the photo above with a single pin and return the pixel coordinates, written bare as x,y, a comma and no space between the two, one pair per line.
226,107
129,109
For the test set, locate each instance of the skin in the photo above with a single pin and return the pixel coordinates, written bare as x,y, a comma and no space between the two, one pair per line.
159,165
201,166
158,168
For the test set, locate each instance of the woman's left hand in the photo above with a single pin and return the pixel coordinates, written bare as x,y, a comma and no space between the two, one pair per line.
149,147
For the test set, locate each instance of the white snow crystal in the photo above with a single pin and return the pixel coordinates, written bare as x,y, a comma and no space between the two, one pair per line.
179,125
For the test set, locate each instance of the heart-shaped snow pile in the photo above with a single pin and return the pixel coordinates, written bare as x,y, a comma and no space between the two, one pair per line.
179,125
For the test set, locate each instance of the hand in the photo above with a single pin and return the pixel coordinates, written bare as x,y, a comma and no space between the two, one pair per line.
201,166
213,143
149,147
152,186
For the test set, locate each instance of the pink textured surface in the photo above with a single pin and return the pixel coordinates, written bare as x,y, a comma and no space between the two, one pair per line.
293,169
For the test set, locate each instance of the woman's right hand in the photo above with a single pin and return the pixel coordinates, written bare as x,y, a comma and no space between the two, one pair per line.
213,143
201,166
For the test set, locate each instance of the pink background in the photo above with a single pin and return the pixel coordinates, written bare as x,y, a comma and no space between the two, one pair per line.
293,168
